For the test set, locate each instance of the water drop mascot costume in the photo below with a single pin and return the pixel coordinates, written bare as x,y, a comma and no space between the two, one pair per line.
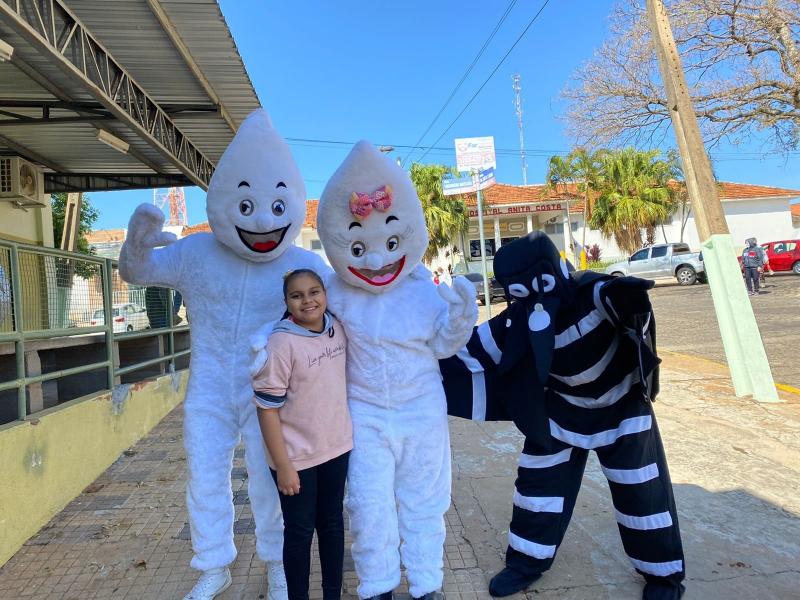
398,324
231,282
572,362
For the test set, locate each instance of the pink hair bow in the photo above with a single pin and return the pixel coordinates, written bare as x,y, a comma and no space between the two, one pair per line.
361,205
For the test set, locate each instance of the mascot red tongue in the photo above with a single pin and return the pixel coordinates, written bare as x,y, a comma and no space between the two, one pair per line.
398,323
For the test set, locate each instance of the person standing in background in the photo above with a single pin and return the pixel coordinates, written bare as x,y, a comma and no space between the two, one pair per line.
753,260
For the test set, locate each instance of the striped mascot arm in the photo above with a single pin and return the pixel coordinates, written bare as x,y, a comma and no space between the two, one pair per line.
470,377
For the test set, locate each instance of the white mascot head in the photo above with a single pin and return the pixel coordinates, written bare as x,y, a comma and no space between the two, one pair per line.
256,200
370,221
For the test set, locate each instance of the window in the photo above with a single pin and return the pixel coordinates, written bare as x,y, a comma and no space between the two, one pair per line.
640,255
791,246
779,248
551,228
659,251
316,245
475,248
680,248
507,240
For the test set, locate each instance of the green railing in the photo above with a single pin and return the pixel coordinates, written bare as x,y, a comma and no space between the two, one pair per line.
47,293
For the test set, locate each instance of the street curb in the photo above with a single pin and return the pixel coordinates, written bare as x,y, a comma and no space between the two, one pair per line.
790,389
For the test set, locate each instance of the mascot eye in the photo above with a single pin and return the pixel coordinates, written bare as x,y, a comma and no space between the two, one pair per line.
358,249
549,283
246,207
518,290
392,243
278,208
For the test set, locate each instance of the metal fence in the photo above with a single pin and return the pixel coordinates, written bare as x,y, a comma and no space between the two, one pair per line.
63,298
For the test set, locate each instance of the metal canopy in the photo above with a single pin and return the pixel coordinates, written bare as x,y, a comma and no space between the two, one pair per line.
162,76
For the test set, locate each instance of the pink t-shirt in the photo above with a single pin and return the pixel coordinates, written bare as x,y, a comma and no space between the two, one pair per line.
309,370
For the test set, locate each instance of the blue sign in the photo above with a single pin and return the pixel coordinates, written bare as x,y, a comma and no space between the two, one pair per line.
452,186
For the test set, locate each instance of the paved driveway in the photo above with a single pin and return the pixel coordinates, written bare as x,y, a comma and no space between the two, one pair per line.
687,324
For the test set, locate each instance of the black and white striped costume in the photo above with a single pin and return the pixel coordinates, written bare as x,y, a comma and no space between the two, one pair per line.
597,397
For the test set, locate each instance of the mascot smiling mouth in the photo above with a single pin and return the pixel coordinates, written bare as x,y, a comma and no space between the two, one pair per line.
262,242
383,276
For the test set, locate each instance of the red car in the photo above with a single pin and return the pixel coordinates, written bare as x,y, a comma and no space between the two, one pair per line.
783,255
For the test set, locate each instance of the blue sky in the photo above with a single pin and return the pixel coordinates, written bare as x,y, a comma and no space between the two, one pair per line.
350,70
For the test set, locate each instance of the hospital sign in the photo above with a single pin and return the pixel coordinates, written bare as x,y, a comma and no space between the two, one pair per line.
517,210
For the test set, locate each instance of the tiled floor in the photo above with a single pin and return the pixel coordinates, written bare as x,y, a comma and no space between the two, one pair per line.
126,536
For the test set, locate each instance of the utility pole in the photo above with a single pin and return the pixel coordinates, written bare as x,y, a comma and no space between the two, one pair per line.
744,348
518,109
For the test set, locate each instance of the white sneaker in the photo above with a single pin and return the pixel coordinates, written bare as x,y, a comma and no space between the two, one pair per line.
210,585
276,581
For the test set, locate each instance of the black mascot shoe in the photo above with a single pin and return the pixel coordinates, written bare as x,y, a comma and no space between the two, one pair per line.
384,596
508,581
662,590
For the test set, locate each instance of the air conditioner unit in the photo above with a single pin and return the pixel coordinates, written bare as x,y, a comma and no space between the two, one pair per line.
21,182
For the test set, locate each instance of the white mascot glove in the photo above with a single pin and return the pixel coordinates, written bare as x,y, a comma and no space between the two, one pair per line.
462,314
258,347
145,229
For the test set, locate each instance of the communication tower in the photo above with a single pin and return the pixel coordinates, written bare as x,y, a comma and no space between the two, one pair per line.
518,109
172,201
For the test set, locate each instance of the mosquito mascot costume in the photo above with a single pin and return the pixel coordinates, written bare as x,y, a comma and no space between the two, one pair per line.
231,282
398,324
572,362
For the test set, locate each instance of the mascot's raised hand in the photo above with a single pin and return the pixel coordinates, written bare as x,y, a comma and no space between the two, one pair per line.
461,316
145,228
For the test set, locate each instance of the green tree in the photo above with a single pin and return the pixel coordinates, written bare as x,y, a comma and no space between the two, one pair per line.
89,214
445,216
583,167
635,193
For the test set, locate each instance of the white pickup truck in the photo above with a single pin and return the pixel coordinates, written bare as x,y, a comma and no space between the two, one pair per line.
663,260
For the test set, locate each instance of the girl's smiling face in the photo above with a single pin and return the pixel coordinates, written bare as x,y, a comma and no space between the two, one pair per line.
306,301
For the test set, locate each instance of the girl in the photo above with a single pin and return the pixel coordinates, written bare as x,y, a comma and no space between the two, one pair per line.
302,409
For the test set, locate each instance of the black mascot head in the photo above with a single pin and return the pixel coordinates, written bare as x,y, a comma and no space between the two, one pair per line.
532,272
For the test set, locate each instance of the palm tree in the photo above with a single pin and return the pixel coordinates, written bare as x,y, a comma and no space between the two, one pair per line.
584,168
446,217
635,194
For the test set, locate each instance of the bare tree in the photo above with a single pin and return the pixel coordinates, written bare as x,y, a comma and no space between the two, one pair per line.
741,60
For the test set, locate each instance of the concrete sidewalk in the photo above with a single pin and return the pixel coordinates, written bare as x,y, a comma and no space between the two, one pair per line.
735,466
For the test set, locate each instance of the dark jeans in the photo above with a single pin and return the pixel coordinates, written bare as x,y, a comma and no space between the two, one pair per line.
318,507
751,276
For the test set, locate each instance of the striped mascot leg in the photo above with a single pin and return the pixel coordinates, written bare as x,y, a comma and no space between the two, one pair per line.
544,497
644,505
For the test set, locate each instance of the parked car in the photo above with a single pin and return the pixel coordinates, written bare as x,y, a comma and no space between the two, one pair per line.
783,255
663,260
126,317
495,289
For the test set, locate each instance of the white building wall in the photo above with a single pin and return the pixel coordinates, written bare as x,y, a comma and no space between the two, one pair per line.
766,219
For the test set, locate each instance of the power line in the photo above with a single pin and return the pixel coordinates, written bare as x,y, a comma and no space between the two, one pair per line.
502,60
464,76
540,152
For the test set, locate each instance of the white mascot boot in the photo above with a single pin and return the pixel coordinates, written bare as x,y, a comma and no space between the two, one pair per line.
231,281
210,585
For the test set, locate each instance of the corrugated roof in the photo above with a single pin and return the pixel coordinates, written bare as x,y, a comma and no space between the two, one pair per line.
133,35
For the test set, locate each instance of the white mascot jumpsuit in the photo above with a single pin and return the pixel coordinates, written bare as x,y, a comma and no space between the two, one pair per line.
398,324
231,282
